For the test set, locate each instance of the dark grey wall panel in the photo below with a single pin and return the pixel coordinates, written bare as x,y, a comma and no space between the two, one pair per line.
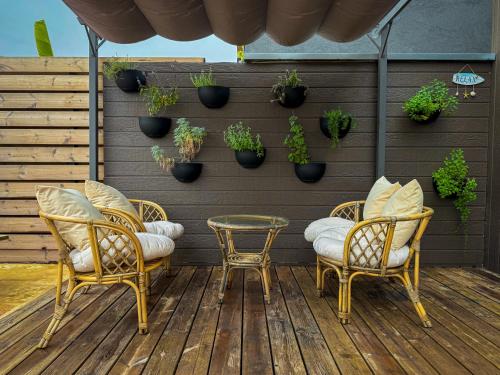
225,187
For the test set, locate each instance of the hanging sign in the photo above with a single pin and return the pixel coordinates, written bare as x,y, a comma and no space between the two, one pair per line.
466,77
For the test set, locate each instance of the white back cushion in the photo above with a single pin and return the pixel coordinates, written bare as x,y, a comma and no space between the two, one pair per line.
379,194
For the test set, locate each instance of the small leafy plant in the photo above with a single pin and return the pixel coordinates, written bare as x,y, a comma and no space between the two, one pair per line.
299,153
289,79
452,181
113,67
338,120
429,100
238,137
203,79
158,98
188,139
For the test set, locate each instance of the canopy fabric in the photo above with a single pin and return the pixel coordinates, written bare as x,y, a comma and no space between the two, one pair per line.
239,22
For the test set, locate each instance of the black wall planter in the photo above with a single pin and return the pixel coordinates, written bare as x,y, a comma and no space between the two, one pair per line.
213,96
323,125
435,187
249,159
432,118
187,172
155,127
130,80
294,96
311,172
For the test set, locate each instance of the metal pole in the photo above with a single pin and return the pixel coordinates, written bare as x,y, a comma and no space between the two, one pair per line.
382,101
93,106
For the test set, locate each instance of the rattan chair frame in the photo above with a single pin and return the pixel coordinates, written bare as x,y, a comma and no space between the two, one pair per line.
347,271
133,275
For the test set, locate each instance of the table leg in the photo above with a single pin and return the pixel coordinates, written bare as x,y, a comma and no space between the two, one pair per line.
265,280
223,283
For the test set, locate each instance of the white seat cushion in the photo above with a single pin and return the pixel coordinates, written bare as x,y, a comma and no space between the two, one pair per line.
165,228
153,246
314,229
330,244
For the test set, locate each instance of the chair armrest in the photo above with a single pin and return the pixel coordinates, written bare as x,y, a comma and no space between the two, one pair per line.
349,210
149,211
123,218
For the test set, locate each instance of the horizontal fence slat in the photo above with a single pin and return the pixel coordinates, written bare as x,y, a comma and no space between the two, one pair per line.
22,225
27,189
25,82
35,119
39,100
50,154
46,137
46,172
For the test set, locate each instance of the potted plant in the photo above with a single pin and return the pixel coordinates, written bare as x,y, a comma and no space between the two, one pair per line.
429,102
335,124
249,151
211,95
305,170
188,139
125,74
451,181
289,91
157,98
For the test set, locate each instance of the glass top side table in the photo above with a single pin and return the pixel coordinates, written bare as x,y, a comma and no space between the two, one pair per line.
224,227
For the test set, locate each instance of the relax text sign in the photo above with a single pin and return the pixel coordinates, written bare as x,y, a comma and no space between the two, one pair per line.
467,79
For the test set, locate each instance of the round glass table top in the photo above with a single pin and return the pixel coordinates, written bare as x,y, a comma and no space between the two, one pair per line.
248,222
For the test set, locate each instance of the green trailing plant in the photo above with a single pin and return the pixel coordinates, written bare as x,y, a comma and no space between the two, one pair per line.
452,180
299,153
115,65
430,99
338,120
289,79
203,79
42,39
188,140
158,98
238,137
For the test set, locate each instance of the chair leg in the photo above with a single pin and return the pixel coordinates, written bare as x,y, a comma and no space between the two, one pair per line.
166,265
148,283
319,281
230,277
344,298
223,283
142,311
59,312
415,299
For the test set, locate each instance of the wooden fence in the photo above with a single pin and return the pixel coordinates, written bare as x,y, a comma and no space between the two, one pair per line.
43,140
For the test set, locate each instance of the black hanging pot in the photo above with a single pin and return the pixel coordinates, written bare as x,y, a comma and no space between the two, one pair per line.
186,172
213,96
435,187
432,118
130,80
311,172
249,159
323,124
154,127
294,96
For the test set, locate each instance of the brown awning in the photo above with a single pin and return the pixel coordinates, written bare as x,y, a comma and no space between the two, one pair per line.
288,22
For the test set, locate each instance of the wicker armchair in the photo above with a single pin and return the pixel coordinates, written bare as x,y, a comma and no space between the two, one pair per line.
148,212
374,238
117,256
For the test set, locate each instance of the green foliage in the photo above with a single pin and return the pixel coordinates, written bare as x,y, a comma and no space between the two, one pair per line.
238,137
203,79
188,139
114,66
430,99
158,98
42,39
451,179
338,120
299,153
290,79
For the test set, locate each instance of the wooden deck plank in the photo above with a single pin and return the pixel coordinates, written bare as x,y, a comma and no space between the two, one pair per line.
476,283
256,353
286,354
345,353
107,352
169,348
373,351
191,333
195,357
317,356
134,358
226,354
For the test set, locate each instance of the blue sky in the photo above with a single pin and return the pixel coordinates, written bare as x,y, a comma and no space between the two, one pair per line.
69,39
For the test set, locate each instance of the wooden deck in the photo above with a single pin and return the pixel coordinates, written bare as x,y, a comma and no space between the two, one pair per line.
190,333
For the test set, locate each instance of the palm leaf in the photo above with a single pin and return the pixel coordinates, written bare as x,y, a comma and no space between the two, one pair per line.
42,39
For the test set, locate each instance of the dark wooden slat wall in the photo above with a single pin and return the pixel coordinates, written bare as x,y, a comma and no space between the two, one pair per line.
225,187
